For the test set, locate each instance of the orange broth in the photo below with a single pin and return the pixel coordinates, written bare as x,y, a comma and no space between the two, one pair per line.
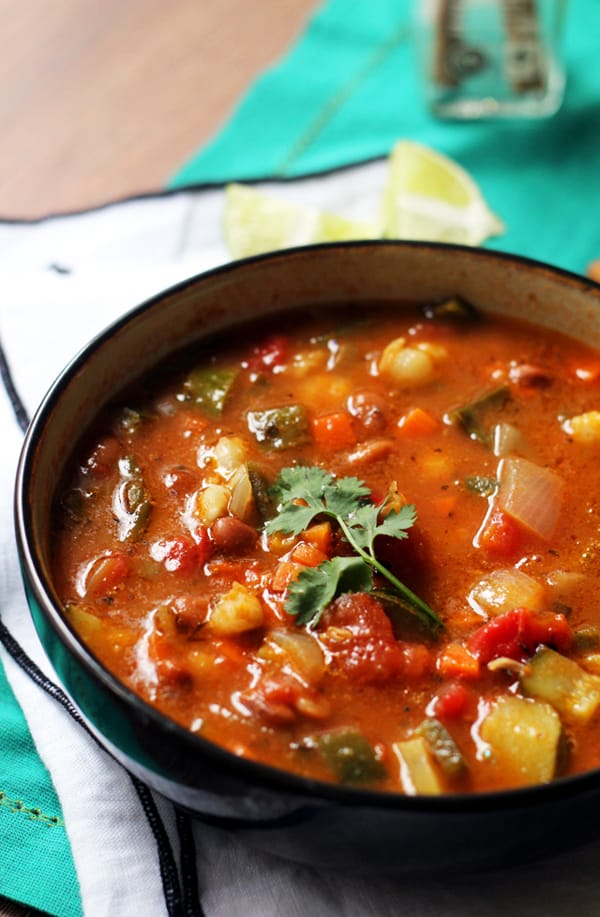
164,568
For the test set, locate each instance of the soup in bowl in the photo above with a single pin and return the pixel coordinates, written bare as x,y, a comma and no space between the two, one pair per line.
312,540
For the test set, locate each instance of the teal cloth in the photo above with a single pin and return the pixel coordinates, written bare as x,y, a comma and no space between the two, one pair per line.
350,88
345,93
36,865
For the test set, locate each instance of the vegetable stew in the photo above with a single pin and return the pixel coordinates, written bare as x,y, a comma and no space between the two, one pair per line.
362,549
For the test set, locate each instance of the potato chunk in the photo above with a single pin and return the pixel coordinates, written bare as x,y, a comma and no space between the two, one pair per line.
523,737
237,611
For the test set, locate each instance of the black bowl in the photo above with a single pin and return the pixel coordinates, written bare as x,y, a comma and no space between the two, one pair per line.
292,816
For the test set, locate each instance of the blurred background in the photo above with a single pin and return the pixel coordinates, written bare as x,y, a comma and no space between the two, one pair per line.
106,98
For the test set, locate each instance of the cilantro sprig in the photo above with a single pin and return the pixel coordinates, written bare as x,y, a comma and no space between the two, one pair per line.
303,493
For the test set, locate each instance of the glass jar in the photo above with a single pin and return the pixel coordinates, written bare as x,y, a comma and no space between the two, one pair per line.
491,58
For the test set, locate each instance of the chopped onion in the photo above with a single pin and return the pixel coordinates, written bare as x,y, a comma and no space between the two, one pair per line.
532,495
242,496
505,589
508,440
303,653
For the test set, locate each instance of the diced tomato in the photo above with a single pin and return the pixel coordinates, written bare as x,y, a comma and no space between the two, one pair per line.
451,702
106,573
181,554
501,535
518,633
360,638
103,458
333,431
269,355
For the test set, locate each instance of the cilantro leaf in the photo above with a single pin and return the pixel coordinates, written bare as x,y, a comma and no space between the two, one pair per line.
315,587
303,493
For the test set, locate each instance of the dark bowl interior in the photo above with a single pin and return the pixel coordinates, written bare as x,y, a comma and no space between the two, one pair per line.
295,817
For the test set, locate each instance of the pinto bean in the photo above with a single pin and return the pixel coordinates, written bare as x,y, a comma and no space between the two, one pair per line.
231,535
365,453
529,376
369,410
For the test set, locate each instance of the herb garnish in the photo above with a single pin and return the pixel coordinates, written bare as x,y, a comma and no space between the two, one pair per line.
302,493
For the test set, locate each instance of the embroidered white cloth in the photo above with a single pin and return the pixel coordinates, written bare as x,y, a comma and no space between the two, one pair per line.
61,281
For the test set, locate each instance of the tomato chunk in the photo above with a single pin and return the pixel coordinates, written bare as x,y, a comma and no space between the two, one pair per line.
269,355
500,535
359,636
518,633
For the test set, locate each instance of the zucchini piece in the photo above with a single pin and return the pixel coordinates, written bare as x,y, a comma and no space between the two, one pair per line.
418,774
350,756
524,738
482,485
132,502
260,491
444,749
552,677
455,308
471,417
280,428
209,387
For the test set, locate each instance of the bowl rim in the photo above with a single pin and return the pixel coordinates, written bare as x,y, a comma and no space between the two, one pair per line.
304,789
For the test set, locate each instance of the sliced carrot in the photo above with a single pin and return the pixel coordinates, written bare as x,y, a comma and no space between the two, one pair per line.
285,572
320,536
416,423
455,661
307,554
333,431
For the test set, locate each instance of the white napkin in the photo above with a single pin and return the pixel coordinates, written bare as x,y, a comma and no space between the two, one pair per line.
61,281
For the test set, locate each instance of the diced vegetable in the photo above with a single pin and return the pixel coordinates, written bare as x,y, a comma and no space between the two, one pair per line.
507,440
586,638
516,634
406,366
472,416
241,503
211,503
302,651
209,387
132,504
443,748
482,485
584,428
500,534
418,774
280,428
229,453
260,491
524,738
455,661
504,589
416,423
531,495
333,431
455,308
552,677
350,756
236,612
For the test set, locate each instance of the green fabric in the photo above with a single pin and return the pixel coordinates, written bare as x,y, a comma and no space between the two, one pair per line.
349,89
36,865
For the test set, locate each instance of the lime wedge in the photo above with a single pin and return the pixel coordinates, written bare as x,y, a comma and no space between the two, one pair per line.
255,222
429,196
